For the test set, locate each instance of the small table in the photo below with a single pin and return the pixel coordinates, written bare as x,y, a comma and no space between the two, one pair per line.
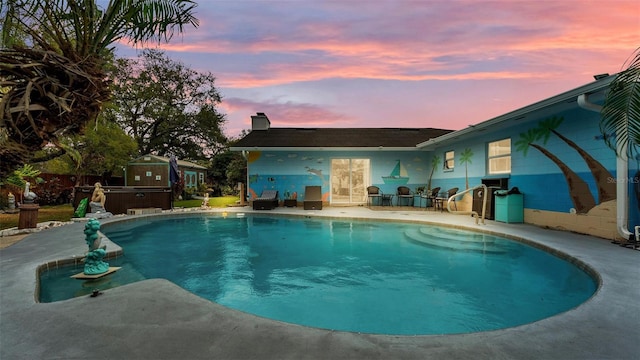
388,199
440,200
419,202
290,203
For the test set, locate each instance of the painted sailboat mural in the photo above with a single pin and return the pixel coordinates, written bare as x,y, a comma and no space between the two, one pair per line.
398,175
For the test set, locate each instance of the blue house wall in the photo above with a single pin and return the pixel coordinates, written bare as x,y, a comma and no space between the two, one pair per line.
290,171
536,175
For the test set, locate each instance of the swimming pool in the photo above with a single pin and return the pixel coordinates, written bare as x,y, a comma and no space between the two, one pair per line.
372,277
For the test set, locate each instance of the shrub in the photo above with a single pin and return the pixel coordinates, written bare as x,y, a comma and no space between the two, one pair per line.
188,193
52,192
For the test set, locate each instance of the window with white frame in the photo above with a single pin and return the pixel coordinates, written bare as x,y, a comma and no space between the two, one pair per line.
201,178
449,161
499,157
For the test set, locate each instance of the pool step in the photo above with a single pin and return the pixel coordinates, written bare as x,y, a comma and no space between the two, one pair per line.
120,234
419,237
458,235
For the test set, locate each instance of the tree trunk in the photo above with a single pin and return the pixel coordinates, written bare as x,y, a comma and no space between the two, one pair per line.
606,187
466,176
430,177
579,192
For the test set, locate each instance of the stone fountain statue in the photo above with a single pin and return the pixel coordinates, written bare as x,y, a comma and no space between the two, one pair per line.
98,198
93,264
12,204
29,196
28,209
205,201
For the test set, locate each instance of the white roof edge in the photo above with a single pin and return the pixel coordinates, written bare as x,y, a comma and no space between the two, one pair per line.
592,87
165,159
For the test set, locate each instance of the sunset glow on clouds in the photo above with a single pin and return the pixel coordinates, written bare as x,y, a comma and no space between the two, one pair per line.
403,63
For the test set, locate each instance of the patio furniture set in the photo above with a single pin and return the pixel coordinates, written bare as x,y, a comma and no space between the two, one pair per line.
268,200
405,197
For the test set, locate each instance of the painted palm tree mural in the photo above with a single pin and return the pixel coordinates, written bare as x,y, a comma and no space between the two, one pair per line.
606,189
434,163
465,158
579,192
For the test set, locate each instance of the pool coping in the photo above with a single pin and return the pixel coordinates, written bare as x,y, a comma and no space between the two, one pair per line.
155,318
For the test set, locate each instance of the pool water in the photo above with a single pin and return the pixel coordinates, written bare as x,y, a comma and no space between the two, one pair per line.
370,277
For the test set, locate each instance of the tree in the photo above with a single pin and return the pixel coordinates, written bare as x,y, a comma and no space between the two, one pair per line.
217,171
167,107
104,150
465,158
435,161
236,170
579,191
620,122
53,55
606,188
225,171
18,179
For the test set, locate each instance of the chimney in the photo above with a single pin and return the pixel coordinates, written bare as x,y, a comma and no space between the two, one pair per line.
260,121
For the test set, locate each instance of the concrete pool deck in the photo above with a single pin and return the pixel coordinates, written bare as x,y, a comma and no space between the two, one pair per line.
155,319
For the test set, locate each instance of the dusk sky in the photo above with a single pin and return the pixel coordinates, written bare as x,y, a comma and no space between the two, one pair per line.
404,63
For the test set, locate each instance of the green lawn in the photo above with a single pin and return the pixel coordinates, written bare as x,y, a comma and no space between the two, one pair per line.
216,202
65,212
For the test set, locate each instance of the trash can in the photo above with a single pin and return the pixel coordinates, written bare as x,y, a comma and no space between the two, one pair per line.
509,206
478,196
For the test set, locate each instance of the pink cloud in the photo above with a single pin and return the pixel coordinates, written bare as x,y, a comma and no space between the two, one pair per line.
281,114
283,50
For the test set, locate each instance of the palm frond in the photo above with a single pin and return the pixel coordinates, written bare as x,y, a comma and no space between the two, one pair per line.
53,59
621,111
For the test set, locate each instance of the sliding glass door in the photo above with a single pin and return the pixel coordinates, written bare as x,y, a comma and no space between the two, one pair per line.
349,181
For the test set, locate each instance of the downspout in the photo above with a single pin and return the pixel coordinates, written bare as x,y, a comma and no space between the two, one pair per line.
622,173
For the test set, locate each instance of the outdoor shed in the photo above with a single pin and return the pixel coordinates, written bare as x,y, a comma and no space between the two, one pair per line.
153,170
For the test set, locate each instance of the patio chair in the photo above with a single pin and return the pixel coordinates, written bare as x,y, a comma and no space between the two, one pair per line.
267,201
404,193
439,201
373,192
313,198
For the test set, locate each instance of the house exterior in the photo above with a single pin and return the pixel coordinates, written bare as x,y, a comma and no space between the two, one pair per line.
553,151
342,161
153,170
